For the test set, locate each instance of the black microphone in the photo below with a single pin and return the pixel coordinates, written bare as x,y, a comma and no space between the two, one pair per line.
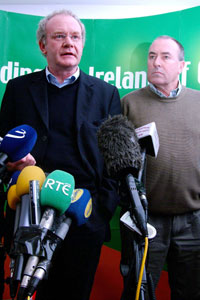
14,203
30,281
78,212
18,198
122,154
55,195
119,145
35,209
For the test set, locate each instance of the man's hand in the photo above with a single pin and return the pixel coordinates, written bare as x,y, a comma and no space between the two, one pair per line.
28,160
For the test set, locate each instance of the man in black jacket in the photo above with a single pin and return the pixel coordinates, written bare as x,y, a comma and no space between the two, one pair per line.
65,106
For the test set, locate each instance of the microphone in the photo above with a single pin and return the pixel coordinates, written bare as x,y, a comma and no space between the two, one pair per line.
119,145
15,145
122,154
35,210
12,199
128,222
55,195
148,138
27,175
14,203
18,142
57,191
23,218
149,142
78,212
81,207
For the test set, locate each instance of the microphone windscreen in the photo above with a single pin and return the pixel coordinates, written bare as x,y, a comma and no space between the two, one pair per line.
81,206
18,142
27,174
118,143
12,197
57,190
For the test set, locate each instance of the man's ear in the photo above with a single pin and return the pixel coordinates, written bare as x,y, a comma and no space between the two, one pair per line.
42,47
181,66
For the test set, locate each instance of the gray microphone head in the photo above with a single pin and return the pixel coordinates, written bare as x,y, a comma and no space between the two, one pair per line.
118,143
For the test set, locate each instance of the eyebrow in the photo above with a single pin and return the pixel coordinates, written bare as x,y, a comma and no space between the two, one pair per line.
61,31
163,53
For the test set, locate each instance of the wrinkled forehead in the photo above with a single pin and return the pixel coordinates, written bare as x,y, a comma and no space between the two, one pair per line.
164,46
62,23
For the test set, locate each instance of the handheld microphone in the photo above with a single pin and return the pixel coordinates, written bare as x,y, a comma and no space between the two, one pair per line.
28,174
12,198
78,212
18,142
14,203
148,138
55,195
120,148
35,210
149,142
22,192
57,191
15,145
81,207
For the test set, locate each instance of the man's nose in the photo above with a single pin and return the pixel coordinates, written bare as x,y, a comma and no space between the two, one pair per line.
68,41
157,61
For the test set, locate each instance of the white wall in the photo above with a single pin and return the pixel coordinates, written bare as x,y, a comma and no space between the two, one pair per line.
98,9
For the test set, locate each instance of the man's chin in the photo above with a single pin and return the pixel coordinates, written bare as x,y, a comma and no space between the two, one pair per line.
69,67
156,80
68,61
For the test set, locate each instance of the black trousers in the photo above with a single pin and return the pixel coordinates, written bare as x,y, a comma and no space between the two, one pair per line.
72,274
177,243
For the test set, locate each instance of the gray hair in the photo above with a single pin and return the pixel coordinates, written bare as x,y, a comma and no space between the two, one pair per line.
180,46
41,32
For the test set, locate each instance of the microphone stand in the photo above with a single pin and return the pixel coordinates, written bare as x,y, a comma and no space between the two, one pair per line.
131,278
133,245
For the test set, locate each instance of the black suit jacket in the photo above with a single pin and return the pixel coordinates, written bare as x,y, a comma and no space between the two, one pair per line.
25,102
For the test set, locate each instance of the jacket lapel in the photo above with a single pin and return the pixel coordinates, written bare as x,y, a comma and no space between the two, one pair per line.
38,90
86,132
84,98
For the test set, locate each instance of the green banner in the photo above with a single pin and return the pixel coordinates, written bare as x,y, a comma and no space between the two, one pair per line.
115,51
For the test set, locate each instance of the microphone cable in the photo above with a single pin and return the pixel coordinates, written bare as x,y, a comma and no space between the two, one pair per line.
142,269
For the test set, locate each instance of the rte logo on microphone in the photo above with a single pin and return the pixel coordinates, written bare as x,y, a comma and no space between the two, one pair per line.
57,186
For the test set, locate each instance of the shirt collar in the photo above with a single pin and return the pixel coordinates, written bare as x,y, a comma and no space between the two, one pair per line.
52,79
174,93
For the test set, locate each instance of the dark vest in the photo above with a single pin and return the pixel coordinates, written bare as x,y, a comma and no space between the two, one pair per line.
64,155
